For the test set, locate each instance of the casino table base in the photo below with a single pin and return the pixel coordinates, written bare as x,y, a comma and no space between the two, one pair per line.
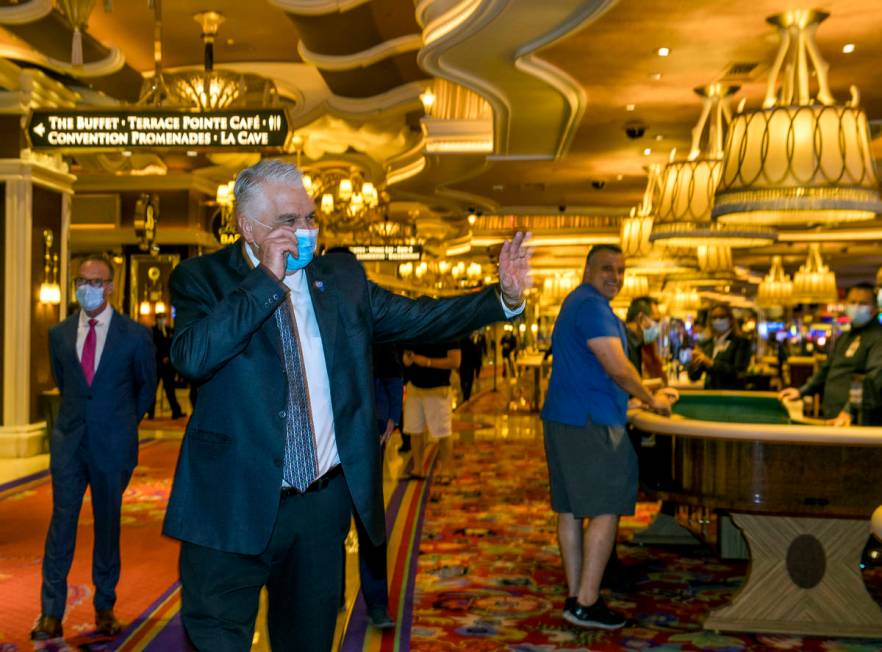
804,578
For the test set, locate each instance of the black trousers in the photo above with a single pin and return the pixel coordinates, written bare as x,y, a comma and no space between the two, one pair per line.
301,568
69,483
167,378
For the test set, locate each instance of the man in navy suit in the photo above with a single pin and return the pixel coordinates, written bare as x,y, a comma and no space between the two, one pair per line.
282,443
104,364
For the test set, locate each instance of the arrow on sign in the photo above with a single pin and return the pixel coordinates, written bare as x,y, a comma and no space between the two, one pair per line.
40,129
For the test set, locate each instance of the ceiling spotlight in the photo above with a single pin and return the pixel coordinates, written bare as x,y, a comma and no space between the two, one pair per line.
619,177
848,48
647,152
659,137
127,153
663,52
630,107
192,153
655,76
472,218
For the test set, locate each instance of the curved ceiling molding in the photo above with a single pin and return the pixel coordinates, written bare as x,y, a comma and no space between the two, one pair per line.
317,7
363,59
113,62
536,106
25,13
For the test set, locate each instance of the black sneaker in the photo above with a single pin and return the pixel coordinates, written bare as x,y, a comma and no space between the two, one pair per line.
597,615
570,603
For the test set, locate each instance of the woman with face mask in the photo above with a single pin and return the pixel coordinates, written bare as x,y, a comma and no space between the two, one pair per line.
724,356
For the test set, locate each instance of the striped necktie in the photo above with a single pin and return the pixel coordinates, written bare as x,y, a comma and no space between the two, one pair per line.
300,465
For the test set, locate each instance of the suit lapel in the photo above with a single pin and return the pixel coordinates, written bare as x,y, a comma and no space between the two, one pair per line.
324,302
69,341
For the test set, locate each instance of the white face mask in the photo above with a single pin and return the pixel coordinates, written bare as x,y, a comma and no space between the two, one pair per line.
721,325
859,314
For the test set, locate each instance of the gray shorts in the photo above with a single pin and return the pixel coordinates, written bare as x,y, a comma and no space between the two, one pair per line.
592,469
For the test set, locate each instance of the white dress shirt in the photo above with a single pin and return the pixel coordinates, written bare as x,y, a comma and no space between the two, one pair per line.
101,327
317,383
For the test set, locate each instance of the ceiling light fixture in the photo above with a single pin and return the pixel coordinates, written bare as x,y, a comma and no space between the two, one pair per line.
688,186
798,160
776,288
814,282
630,107
207,89
848,48
663,52
647,151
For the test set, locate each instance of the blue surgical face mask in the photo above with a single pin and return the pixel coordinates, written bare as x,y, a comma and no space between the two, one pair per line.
306,241
650,333
859,314
90,298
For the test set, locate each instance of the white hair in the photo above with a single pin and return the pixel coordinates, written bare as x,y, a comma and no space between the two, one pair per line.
247,188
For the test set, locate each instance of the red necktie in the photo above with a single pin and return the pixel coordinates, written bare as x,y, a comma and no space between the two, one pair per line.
88,359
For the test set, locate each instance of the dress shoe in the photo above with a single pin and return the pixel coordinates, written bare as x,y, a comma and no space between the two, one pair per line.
106,622
380,618
47,627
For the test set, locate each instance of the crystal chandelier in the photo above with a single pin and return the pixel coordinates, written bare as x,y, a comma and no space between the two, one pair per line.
798,160
207,89
814,282
556,288
776,288
683,218
682,301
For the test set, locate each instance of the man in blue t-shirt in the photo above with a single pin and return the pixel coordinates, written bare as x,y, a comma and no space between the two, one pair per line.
592,465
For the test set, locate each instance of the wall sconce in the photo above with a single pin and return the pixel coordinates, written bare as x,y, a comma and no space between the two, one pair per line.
160,307
50,291
144,308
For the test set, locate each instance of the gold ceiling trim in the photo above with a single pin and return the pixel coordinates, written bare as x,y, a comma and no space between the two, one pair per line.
520,80
317,7
25,13
363,59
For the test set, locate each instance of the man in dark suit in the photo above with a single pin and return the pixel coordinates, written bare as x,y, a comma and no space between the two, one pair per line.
282,443
162,338
104,365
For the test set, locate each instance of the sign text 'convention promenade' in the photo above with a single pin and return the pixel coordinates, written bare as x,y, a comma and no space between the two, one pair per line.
73,130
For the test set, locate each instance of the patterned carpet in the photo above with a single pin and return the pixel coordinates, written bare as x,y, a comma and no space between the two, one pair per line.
149,561
489,576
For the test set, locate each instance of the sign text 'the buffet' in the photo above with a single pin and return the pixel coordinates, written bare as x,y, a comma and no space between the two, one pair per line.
72,130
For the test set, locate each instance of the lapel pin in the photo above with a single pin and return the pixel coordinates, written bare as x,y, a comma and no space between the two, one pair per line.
319,286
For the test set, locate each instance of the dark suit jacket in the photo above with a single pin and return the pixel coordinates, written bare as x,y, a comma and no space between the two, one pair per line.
729,366
105,416
229,475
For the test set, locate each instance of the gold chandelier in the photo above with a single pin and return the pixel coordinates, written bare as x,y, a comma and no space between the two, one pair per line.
814,282
346,201
687,187
798,160
207,89
638,250
776,288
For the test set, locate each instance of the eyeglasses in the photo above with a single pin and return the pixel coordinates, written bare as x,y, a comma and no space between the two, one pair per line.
79,281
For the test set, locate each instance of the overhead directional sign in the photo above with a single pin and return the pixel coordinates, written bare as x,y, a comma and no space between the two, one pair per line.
127,129
386,252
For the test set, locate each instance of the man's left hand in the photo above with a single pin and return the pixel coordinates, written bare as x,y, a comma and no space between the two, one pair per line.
514,269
